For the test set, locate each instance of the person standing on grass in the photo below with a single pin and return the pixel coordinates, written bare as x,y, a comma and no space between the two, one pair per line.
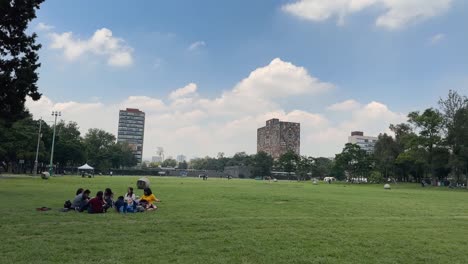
96,205
148,199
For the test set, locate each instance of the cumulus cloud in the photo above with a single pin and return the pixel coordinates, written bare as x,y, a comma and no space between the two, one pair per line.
190,124
189,89
102,43
196,45
394,14
44,27
347,105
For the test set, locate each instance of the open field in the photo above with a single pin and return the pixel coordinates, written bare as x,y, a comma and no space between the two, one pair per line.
236,221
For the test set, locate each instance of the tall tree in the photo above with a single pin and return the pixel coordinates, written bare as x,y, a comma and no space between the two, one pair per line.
429,125
169,163
69,147
305,167
354,161
262,164
450,106
386,151
322,167
19,59
98,145
458,139
288,162
183,165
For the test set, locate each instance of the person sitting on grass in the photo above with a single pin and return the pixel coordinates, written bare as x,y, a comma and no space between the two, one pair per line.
96,205
108,198
129,194
77,200
148,199
120,205
125,206
84,202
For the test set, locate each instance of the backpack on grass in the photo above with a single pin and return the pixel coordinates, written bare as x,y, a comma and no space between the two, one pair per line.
67,204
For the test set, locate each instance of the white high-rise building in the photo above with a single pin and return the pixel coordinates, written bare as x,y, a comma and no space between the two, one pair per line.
364,142
132,130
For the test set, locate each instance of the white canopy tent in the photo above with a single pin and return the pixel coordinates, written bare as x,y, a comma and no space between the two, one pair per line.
86,167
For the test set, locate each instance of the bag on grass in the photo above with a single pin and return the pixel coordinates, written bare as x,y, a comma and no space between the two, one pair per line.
67,204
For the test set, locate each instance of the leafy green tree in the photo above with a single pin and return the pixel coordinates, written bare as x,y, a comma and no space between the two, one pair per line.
262,164
322,167
450,107
121,155
386,151
98,145
198,163
183,165
354,161
305,167
458,138
288,162
169,163
18,142
19,59
69,147
240,159
407,145
429,125
454,114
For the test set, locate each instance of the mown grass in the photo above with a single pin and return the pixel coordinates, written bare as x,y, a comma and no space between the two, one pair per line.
236,221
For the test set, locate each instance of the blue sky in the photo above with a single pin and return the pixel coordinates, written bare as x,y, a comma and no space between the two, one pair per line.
364,51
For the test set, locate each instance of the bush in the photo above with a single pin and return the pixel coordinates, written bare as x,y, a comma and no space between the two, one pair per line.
376,177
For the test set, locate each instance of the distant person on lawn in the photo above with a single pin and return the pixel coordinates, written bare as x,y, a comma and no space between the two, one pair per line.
96,205
148,199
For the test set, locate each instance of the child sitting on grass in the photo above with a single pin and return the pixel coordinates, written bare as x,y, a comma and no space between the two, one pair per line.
125,206
148,199
120,205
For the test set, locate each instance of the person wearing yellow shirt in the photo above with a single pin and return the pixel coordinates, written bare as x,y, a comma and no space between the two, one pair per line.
148,199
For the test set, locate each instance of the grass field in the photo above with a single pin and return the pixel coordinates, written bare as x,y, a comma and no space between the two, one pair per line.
236,221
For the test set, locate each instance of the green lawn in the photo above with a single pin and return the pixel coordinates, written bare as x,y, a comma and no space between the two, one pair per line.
236,221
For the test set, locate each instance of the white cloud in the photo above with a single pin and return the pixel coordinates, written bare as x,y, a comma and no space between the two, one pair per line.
102,43
189,89
197,126
196,45
347,105
437,38
394,14
44,27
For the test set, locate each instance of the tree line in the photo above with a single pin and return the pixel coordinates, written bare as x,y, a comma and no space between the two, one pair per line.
432,145
98,148
262,164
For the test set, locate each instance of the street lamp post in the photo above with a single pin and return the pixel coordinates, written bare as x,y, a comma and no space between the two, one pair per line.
37,148
51,168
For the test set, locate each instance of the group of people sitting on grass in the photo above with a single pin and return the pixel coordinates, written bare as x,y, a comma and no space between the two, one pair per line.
103,201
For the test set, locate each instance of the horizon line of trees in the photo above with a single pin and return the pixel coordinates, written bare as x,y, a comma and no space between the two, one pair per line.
432,145
97,147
